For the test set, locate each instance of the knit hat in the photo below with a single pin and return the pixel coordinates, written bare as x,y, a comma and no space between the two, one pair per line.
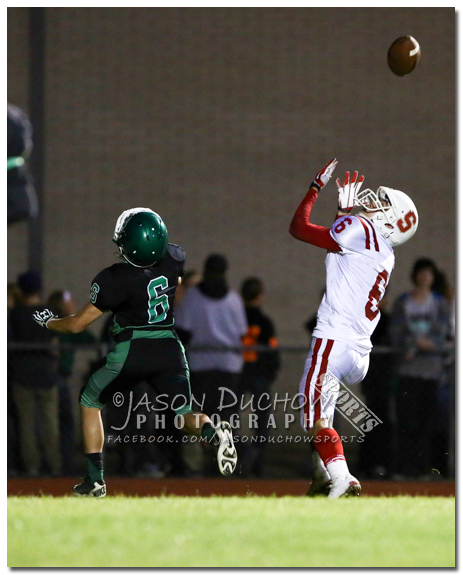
30,282
216,263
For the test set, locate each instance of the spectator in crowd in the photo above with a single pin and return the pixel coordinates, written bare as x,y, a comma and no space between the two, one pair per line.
190,279
419,326
443,287
35,385
211,314
445,390
22,198
13,296
62,303
375,450
260,367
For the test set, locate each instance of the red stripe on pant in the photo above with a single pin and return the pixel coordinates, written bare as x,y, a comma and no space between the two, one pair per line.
316,349
320,379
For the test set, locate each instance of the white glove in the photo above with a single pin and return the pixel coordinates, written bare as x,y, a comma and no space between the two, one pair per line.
43,317
323,176
348,192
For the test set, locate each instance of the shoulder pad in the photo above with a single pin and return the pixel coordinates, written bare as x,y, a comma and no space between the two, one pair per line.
118,267
176,252
113,271
347,230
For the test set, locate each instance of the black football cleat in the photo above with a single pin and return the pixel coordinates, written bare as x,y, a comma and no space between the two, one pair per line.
89,489
319,487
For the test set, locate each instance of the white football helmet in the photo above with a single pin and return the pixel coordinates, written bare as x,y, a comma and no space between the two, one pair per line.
391,211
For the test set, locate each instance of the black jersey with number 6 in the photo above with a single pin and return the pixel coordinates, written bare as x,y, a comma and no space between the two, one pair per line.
140,298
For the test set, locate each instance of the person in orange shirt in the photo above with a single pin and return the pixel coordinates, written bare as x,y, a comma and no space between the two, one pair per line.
260,366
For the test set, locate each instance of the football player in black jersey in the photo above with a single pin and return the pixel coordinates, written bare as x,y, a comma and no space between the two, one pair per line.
140,293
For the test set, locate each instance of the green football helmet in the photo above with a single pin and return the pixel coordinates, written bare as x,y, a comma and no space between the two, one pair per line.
141,236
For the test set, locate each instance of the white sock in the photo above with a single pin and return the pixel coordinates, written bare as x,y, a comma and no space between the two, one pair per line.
318,466
337,469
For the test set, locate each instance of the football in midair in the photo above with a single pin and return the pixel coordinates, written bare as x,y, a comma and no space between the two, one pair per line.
403,55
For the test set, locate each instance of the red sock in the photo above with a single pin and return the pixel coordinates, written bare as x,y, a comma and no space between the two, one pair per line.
329,445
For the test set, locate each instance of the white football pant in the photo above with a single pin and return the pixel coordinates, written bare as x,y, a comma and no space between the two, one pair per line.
329,362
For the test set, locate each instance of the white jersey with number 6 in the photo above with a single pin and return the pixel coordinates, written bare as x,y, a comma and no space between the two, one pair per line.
356,279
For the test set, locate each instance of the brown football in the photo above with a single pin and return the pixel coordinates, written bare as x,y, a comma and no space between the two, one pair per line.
403,55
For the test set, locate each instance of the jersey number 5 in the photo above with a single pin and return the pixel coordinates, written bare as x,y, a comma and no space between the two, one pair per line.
375,295
158,305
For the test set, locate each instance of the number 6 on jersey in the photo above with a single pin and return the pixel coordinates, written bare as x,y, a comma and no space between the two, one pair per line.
156,299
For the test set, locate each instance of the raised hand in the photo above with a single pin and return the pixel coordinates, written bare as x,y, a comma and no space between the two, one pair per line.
324,175
348,191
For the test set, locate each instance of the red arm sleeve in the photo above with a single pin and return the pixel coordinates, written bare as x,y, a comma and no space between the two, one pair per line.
301,228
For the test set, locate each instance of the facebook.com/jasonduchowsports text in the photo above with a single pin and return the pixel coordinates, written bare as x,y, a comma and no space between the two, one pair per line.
139,416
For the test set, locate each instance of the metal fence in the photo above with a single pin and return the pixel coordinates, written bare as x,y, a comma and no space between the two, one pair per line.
379,442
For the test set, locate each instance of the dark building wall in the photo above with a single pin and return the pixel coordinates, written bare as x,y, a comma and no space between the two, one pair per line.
218,118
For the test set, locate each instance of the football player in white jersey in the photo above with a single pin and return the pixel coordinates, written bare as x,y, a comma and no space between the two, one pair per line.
359,263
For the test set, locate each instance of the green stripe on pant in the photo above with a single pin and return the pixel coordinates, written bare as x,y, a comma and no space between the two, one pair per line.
105,375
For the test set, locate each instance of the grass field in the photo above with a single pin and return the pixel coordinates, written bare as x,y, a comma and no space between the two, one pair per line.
231,532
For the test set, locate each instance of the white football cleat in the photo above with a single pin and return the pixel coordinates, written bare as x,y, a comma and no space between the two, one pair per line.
227,457
346,486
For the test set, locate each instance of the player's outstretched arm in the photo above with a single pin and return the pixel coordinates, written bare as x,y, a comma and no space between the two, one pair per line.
300,227
72,323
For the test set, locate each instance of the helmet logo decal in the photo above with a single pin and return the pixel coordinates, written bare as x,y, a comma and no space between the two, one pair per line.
404,224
